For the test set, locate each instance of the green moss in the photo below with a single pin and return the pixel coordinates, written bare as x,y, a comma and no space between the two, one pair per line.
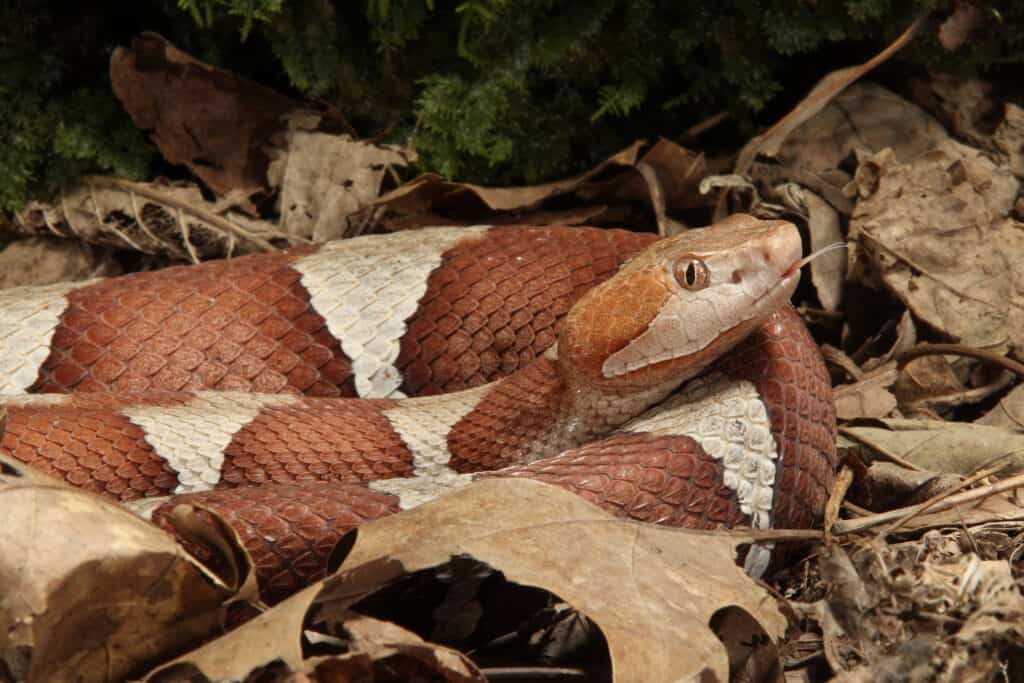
490,91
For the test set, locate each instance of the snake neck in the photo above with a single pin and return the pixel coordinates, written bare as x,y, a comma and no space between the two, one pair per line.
587,412
541,411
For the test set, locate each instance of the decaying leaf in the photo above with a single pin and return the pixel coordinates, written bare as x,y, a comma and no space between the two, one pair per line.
326,180
652,591
965,21
679,169
173,220
864,119
913,612
91,592
212,121
973,113
828,271
1008,413
951,447
769,142
903,335
936,233
869,396
1001,509
926,377
430,200
46,260
887,485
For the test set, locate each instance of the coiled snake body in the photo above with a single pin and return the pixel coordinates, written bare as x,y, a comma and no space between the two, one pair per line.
682,388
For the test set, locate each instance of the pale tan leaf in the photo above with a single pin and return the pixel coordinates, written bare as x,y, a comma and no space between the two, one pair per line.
927,377
935,231
652,591
865,118
327,180
828,271
626,577
1002,508
1008,413
93,593
1008,139
951,447
869,396
46,260
384,642
154,218
769,142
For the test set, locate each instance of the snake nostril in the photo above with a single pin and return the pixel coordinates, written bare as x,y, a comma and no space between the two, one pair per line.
737,276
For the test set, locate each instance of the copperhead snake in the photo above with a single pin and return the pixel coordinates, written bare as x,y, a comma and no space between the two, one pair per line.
679,388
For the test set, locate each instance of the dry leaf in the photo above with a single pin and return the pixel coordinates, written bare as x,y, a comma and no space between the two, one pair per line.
769,142
679,169
971,110
429,199
886,485
968,107
864,119
1002,508
206,118
431,193
869,396
910,612
325,180
926,379
965,21
1008,413
387,644
935,232
46,260
93,593
828,271
652,591
1008,139
904,337
951,447
172,220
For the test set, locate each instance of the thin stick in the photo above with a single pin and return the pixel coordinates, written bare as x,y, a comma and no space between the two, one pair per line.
935,500
704,125
961,350
850,526
878,449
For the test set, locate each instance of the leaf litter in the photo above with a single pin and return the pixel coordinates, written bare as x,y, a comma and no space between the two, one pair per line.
920,324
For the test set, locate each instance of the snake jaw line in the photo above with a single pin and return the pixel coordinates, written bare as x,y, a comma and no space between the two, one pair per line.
748,272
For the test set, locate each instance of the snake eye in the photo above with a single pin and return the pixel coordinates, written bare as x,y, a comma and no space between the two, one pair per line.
691,273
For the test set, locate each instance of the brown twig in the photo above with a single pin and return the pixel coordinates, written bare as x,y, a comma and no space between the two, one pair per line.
835,499
892,457
935,500
705,124
961,350
532,673
850,526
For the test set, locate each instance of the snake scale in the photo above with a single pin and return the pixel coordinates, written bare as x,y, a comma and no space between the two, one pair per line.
300,393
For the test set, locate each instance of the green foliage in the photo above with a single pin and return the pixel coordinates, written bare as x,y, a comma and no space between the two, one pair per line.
206,12
54,124
490,91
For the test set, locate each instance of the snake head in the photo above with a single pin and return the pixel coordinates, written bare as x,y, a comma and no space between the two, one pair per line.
680,304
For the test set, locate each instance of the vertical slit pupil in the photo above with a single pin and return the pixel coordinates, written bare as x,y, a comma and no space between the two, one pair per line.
691,274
